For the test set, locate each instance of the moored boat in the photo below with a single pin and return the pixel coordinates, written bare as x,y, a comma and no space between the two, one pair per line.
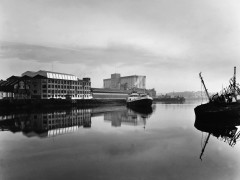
221,114
139,100
169,99
226,104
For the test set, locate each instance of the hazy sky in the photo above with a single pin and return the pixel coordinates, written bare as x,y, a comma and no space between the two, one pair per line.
169,41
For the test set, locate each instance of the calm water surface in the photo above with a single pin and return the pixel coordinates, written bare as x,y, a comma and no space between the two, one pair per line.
114,143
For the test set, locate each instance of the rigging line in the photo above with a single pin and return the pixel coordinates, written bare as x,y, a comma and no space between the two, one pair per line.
201,94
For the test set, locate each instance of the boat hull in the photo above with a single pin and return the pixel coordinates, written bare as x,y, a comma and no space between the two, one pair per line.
217,111
170,100
140,103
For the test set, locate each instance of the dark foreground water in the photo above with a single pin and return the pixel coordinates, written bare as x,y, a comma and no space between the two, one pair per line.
114,143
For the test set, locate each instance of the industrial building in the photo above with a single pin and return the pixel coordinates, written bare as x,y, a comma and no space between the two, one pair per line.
102,93
106,93
15,87
119,87
125,83
46,85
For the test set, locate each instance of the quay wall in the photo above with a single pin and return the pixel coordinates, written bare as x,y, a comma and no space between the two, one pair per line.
21,104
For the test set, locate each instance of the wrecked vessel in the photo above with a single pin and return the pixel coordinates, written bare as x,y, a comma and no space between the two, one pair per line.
225,104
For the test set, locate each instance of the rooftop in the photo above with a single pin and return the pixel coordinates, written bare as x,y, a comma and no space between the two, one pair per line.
52,75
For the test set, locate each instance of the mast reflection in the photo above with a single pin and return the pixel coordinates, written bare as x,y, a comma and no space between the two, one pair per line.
223,129
46,124
128,116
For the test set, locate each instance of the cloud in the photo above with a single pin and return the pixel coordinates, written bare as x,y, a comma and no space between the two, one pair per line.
157,38
165,73
123,55
182,31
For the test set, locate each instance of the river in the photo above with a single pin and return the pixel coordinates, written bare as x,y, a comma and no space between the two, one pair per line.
114,143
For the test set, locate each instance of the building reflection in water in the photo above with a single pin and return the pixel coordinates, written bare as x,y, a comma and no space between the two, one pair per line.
50,124
128,116
46,124
225,130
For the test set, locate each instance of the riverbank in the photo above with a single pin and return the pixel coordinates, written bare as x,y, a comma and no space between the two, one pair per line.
23,104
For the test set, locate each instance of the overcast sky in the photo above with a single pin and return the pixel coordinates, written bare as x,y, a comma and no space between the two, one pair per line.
169,41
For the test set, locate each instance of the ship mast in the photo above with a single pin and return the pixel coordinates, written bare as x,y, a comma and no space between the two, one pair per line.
234,78
204,87
234,83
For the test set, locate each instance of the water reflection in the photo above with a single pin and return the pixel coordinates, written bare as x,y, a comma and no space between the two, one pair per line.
49,124
129,116
225,130
46,124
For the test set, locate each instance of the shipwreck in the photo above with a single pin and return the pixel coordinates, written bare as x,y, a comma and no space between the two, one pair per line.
225,104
